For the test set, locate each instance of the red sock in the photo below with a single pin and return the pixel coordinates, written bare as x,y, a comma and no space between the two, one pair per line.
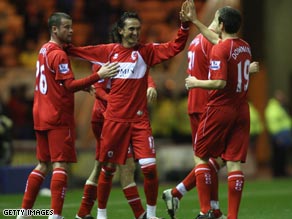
33,184
214,167
88,199
190,180
104,186
235,187
150,184
176,193
58,189
189,183
203,178
132,195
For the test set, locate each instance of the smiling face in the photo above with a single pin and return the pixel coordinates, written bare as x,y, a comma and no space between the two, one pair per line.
130,33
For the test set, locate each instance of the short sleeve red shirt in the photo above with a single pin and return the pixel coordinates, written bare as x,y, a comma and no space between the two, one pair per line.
198,66
53,103
230,60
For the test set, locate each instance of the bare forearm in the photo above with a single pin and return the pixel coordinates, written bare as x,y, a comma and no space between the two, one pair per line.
210,35
205,84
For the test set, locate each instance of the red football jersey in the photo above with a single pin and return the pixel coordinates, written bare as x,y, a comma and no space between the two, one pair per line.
230,60
198,66
127,98
53,103
102,88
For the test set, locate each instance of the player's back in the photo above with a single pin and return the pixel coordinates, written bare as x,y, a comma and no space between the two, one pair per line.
198,66
230,61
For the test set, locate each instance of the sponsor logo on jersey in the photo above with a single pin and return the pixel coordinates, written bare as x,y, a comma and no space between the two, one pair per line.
215,65
133,70
63,68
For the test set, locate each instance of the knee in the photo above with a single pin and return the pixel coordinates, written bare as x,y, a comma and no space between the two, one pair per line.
199,160
233,166
148,167
108,169
129,167
62,165
43,167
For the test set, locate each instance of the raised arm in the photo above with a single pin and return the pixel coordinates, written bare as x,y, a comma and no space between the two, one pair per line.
190,12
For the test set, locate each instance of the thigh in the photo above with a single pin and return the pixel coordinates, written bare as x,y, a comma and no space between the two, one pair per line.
62,145
142,140
115,141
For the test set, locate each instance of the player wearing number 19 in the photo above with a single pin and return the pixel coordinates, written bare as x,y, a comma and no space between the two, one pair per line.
224,127
53,114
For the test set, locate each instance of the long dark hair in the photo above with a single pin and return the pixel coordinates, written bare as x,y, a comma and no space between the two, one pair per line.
114,36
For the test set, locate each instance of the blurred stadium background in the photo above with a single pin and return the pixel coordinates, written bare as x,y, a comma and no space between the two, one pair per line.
23,29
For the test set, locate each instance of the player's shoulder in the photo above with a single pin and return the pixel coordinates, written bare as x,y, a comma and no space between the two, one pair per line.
196,41
243,42
52,50
146,48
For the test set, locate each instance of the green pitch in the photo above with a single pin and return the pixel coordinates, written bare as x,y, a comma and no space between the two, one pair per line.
262,199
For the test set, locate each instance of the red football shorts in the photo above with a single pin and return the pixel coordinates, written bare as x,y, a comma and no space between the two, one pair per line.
97,128
117,136
56,145
195,120
223,131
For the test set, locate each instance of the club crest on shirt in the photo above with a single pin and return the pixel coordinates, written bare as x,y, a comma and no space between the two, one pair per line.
215,65
110,153
134,55
64,68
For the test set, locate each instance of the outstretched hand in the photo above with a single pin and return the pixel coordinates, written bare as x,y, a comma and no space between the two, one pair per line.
108,70
188,11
